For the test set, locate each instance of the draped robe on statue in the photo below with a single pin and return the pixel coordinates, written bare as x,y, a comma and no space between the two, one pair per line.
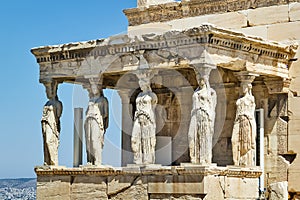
144,129
244,132
201,128
51,130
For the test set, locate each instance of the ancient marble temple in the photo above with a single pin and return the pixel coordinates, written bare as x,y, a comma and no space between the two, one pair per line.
201,87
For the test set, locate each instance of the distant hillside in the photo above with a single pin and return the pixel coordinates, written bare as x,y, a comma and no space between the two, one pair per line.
18,189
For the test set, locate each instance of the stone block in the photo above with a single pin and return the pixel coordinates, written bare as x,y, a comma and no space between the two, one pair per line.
117,184
241,188
293,143
270,162
214,187
294,11
294,127
143,29
294,175
230,20
182,184
295,82
282,144
276,167
278,191
187,23
175,197
284,31
268,15
138,190
295,75
294,108
53,187
257,31
88,187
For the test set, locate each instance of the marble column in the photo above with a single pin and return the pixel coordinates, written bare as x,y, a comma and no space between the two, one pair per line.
203,113
51,123
127,123
244,129
96,121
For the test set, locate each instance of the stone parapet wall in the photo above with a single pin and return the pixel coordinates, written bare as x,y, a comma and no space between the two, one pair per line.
179,10
150,182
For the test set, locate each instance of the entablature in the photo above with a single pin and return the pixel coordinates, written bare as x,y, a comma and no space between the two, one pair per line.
204,45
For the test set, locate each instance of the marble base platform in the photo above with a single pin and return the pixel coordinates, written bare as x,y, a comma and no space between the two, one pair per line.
147,182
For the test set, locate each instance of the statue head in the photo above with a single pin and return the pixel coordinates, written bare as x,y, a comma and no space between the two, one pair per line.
95,89
203,81
144,85
246,88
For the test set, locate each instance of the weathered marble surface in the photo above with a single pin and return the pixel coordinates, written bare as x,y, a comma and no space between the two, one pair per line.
95,124
244,129
196,182
278,191
143,138
201,128
51,124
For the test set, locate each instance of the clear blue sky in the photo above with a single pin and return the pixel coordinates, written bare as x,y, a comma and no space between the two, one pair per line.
32,23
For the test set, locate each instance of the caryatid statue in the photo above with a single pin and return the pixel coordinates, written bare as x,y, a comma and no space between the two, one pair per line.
143,138
201,128
96,123
51,124
244,129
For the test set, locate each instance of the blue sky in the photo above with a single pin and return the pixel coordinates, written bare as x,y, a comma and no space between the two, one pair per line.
32,23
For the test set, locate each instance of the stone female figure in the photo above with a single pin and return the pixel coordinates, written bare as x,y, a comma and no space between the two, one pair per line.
244,129
50,129
201,128
143,139
95,125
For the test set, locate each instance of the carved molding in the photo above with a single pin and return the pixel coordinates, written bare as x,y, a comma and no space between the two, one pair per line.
192,8
174,170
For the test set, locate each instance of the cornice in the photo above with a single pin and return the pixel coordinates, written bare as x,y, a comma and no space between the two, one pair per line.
205,35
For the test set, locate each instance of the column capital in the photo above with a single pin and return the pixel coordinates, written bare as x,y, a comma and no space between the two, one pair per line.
145,76
93,85
51,86
203,72
125,95
277,85
245,77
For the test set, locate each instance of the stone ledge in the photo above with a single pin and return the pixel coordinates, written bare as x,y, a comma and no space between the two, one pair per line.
229,171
